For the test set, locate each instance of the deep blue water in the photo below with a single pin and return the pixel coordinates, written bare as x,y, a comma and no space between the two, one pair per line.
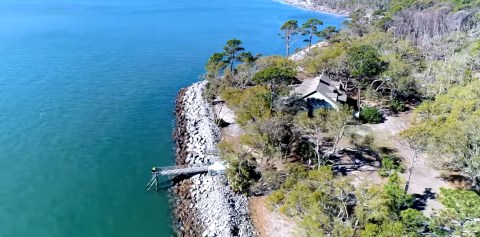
87,92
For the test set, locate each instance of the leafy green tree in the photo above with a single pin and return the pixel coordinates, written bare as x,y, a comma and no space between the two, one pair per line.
414,221
327,33
451,127
290,29
310,29
231,52
320,201
398,199
247,57
215,65
371,206
251,104
364,61
461,215
276,78
275,61
386,229
326,59
275,75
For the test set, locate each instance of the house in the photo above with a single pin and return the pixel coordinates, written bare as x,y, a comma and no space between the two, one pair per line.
322,92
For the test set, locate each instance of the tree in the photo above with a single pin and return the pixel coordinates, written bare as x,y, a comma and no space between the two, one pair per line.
251,104
240,174
275,75
231,50
275,78
451,126
310,29
398,199
327,33
269,138
321,201
363,62
371,206
315,129
215,65
336,125
461,215
247,57
386,229
241,170
329,59
414,221
415,141
290,30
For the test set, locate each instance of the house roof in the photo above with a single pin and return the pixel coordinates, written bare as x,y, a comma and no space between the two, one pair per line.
308,86
332,89
324,85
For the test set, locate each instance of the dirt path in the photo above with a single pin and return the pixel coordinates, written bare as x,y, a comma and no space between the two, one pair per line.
424,176
268,223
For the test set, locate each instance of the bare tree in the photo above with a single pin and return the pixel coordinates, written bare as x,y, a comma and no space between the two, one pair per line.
313,128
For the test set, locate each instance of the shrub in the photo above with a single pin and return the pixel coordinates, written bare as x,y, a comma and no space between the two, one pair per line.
389,164
276,198
397,106
240,175
370,115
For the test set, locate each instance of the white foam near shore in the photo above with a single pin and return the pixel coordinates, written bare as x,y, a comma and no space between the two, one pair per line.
221,211
307,4
304,52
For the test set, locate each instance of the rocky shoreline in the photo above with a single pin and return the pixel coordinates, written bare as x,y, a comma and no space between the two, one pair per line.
307,4
204,205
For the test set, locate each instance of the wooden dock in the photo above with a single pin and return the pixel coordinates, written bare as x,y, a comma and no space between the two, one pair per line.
172,171
180,170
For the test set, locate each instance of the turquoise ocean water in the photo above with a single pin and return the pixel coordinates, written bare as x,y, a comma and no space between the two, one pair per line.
87,91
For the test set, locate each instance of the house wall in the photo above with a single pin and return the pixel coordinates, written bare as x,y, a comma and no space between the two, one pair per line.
322,97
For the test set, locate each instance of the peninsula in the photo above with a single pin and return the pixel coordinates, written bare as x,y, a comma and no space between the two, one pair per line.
370,130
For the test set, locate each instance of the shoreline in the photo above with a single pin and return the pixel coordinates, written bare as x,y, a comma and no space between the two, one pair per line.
204,204
306,4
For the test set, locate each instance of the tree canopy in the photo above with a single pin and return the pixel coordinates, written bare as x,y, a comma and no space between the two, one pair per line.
450,125
364,61
310,29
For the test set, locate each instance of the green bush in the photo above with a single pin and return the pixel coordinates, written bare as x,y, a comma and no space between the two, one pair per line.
370,115
389,164
276,198
397,106
240,175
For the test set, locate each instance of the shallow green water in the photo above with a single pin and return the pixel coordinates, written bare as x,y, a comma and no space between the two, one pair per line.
87,91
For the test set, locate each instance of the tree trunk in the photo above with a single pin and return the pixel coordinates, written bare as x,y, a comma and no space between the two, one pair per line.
317,152
359,98
410,170
288,50
309,43
337,139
